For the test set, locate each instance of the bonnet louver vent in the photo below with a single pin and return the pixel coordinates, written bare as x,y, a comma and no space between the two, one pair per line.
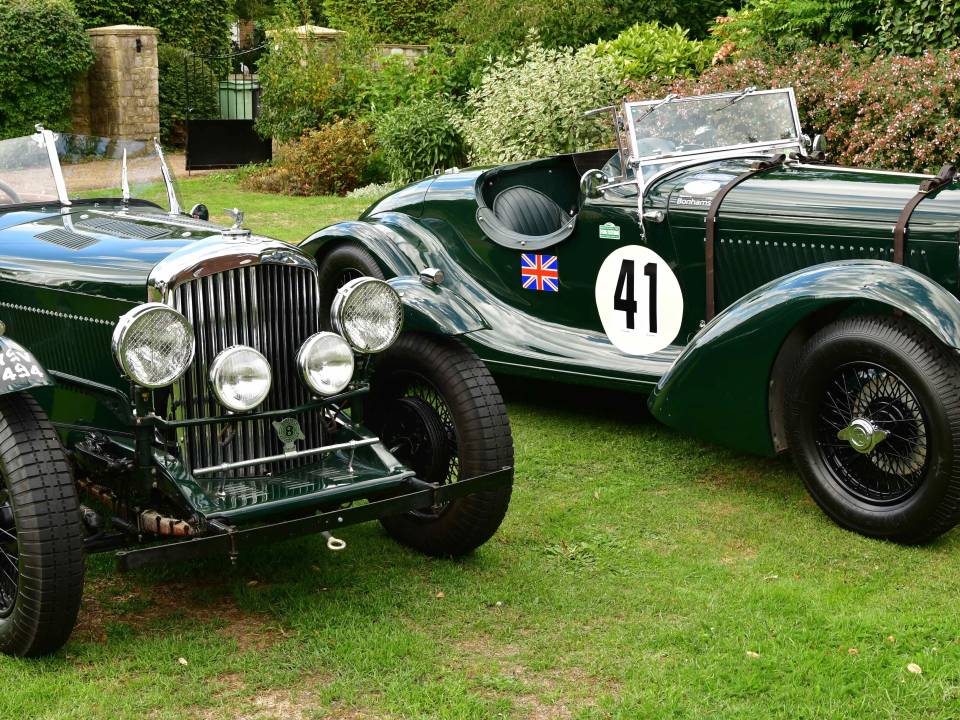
67,239
123,228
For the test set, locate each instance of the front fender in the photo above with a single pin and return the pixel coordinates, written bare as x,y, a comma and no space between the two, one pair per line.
402,248
435,309
19,369
394,252
718,388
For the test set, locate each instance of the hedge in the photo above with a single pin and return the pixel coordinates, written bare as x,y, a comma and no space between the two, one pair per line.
200,25
43,52
892,112
398,21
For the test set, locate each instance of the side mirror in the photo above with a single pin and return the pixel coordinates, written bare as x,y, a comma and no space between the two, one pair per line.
819,148
591,182
200,212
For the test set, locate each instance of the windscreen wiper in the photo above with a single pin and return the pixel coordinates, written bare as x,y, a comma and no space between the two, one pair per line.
739,96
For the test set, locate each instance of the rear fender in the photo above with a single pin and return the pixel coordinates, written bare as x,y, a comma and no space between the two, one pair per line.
720,387
19,369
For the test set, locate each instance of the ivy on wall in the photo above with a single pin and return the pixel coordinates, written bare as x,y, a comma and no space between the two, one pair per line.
199,25
43,53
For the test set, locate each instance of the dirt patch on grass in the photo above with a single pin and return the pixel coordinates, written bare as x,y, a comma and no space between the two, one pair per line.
294,703
110,600
548,694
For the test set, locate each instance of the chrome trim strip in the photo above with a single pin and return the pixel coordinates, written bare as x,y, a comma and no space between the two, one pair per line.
349,445
54,313
866,171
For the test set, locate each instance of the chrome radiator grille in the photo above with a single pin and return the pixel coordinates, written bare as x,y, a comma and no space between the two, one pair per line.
272,308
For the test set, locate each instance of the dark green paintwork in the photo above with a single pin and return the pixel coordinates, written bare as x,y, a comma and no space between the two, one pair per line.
68,274
711,381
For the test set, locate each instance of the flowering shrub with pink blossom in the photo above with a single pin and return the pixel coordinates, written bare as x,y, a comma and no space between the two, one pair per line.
875,111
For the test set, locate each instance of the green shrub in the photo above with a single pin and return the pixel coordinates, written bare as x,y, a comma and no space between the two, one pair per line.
875,111
374,191
532,104
43,53
306,85
911,26
419,137
330,161
397,21
652,49
174,98
445,71
200,25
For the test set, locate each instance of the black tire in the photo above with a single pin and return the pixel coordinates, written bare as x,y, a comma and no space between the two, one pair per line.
884,385
427,390
341,265
38,498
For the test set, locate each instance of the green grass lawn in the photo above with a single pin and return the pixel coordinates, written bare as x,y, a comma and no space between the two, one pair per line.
639,574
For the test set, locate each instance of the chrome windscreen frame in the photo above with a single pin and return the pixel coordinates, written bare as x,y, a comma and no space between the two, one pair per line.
50,145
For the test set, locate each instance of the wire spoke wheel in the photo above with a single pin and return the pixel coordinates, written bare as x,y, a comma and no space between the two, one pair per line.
435,405
872,419
9,553
872,434
420,432
348,274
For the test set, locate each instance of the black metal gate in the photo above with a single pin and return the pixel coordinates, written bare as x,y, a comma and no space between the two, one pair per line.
223,98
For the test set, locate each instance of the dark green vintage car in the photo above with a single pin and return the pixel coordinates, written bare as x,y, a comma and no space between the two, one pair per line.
761,298
166,390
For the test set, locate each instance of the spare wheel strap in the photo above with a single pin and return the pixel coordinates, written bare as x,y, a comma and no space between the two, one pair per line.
711,235
946,175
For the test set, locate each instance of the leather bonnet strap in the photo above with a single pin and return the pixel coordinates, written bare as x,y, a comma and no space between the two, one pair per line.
946,175
711,234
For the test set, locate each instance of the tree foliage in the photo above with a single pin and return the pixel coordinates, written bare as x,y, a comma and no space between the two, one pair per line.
43,52
909,27
398,21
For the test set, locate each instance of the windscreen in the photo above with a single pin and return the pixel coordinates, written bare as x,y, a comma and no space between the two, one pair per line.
712,122
25,172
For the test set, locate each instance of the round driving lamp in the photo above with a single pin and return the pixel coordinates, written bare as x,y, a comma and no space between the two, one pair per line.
153,345
326,363
368,313
241,378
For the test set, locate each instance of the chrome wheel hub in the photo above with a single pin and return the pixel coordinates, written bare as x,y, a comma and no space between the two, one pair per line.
862,435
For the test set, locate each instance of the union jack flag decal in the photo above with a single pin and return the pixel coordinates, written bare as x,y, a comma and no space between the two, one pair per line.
539,272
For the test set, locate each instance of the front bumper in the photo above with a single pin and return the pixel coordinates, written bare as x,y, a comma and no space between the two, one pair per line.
229,542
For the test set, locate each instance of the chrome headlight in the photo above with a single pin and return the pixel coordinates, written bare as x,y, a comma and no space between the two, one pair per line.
326,363
153,345
368,313
240,377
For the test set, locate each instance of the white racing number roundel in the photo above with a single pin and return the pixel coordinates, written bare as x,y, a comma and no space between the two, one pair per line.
639,300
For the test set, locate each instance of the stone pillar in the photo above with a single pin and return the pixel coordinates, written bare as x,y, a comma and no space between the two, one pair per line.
122,95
